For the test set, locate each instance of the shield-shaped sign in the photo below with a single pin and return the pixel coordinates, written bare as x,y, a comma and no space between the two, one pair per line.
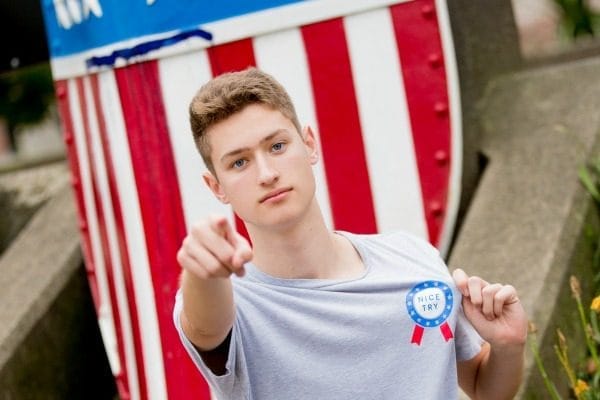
375,79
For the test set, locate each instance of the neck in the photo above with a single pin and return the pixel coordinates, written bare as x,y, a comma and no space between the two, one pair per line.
306,249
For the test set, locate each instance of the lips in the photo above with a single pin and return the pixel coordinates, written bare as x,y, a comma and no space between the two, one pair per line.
273,194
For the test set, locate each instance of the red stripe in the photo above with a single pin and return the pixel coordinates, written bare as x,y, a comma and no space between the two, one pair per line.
421,54
62,93
230,57
162,215
121,238
106,252
340,132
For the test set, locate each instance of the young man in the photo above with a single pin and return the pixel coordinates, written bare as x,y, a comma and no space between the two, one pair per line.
307,313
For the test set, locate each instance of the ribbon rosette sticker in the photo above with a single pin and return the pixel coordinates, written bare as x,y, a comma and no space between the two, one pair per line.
429,305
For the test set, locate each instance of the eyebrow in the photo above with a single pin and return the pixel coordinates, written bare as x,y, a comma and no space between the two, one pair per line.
267,138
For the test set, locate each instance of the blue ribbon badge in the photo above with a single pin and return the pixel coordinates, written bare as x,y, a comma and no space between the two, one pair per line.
429,304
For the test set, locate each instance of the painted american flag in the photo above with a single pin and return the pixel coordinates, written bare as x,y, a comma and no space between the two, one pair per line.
375,79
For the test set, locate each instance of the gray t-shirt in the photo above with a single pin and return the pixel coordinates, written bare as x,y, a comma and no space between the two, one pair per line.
395,332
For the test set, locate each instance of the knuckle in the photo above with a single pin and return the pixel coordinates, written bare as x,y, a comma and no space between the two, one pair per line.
180,257
227,255
473,280
214,268
493,288
476,300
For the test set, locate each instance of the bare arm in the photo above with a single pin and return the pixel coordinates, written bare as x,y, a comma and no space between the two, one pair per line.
494,370
210,253
208,312
496,313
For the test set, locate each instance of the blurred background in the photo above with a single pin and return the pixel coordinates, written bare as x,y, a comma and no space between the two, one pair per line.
33,166
30,131
29,124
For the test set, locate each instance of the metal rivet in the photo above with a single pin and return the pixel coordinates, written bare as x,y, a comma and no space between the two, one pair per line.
436,208
61,92
441,157
434,60
427,11
441,108
68,137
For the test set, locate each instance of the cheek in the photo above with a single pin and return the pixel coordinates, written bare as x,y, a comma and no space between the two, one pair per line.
300,167
234,184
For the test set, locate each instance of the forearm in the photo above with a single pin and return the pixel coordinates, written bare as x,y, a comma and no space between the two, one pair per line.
208,310
500,372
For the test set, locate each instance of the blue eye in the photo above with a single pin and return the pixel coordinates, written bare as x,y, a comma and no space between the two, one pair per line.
277,147
238,163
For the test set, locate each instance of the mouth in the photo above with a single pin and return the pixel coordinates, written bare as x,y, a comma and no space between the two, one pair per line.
275,194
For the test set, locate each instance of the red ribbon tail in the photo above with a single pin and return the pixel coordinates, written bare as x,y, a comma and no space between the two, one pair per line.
446,331
417,335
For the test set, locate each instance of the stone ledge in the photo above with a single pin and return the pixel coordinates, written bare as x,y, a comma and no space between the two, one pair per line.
39,262
525,224
50,345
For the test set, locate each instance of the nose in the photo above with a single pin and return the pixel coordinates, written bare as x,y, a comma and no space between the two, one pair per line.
267,174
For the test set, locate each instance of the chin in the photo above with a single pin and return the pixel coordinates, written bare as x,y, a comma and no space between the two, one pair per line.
279,222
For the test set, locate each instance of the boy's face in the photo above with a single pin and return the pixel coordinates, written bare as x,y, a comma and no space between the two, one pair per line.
263,166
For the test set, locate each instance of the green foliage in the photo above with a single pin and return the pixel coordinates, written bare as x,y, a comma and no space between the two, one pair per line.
577,18
584,381
25,96
590,178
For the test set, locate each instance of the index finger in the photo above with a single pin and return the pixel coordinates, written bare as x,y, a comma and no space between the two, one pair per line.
220,224
242,251
241,248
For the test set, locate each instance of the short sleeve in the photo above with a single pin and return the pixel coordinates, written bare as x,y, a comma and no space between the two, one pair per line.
228,385
467,341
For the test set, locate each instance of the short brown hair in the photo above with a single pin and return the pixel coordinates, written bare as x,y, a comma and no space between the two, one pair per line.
230,93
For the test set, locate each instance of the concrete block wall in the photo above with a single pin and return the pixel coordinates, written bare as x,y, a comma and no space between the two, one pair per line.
50,346
527,221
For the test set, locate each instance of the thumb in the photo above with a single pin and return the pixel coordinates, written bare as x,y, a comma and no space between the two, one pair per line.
242,250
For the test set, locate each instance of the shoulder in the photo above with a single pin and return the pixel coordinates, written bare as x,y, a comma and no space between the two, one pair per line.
397,241
397,245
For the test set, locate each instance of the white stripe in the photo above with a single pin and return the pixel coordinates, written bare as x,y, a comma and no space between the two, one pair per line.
109,218
282,55
180,78
136,242
385,122
224,31
455,183
105,316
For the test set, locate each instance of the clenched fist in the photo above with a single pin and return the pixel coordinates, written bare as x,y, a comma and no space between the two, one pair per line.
213,249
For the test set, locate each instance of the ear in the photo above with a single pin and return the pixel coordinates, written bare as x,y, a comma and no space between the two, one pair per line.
311,144
213,184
